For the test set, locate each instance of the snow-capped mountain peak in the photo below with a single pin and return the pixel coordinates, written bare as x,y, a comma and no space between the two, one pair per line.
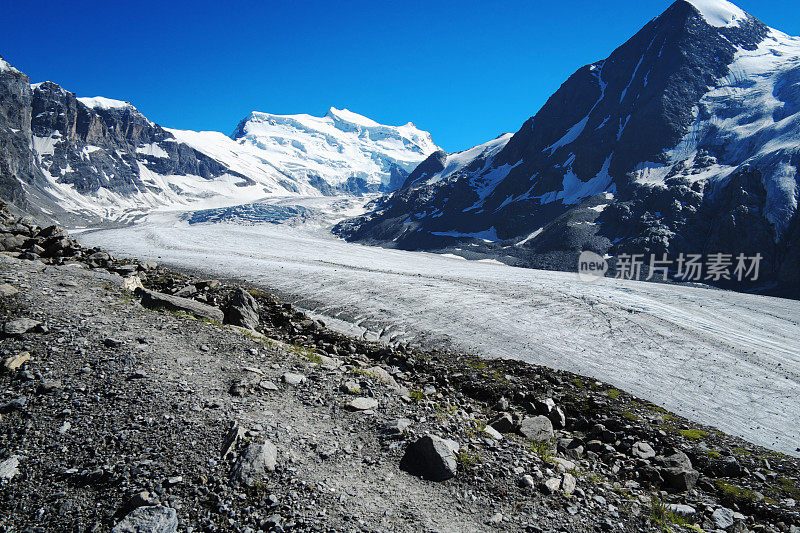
720,13
687,137
341,148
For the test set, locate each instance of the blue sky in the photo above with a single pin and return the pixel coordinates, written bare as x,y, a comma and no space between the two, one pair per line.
465,71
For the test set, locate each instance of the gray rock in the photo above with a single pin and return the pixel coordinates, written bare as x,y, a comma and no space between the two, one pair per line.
722,518
362,404
9,468
493,433
682,509
149,519
7,290
396,427
242,310
20,326
551,485
679,478
503,423
537,428
291,378
568,483
527,481
431,457
255,461
642,450
157,300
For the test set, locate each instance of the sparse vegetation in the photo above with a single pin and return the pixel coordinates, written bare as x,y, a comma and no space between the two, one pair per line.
693,434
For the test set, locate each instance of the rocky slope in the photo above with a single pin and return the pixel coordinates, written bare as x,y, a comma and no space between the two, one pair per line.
93,160
138,397
685,139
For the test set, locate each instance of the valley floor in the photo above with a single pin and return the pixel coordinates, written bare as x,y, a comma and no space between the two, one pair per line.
724,359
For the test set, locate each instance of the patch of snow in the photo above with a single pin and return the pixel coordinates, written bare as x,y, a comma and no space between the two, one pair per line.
530,237
152,149
489,235
100,102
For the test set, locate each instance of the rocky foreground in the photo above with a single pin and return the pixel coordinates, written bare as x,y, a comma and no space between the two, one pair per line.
135,398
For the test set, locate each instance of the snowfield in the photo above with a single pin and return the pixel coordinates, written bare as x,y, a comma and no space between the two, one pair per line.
724,359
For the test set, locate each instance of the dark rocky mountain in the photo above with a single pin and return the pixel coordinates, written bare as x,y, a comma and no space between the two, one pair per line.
685,139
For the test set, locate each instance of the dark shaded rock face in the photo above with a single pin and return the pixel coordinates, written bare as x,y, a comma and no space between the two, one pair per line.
49,137
96,148
623,158
17,163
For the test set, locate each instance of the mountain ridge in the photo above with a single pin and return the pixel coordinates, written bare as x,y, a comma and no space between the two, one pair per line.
662,124
95,160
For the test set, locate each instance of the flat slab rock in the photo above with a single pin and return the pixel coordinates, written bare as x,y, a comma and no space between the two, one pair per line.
149,519
156,300
362,404
20,326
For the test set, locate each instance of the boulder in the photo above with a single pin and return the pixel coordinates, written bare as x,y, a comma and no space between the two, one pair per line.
255,460
20,326
503,423
722,518
642,450
679,478
538,428
149,519
242,310
431,457
157,300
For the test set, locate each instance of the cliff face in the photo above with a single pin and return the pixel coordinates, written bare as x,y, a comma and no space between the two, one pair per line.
17,162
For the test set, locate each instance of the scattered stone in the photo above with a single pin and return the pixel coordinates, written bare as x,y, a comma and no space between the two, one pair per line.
383,376
431,457
112,343
149,519
268,385
16,361
362,404
256,459
527,481
681,509
503,423
7,289
140,499
493,433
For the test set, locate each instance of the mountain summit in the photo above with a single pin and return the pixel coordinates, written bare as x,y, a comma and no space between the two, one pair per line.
686,138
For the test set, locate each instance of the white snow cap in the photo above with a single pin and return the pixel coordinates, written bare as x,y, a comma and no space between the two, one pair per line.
719,13
346,115
4,66
99,102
